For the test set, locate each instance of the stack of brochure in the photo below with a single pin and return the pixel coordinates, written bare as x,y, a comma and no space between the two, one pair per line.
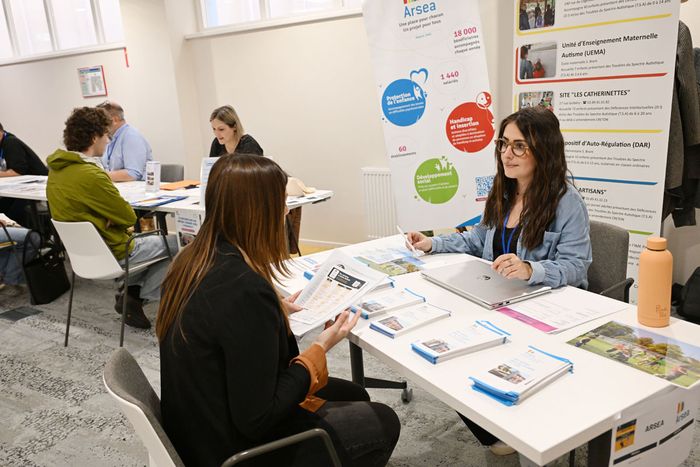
157,201
338,283
480,335
513,379
408,319
391,300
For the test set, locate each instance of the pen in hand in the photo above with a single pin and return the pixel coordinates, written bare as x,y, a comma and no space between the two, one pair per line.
408,242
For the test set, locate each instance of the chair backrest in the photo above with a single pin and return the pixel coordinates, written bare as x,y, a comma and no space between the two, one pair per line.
172,172
126,382
609,267
89,255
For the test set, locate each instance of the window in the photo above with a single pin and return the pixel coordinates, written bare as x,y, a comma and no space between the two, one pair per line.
39,27
75,25
31,26
217,13
223,12
5,44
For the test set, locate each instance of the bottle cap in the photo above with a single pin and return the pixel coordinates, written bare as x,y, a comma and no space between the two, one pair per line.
656,243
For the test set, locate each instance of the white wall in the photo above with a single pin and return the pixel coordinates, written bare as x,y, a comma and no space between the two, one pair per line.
307,94
37,97
684,242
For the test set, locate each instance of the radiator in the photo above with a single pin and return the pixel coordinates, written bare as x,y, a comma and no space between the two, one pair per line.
380,207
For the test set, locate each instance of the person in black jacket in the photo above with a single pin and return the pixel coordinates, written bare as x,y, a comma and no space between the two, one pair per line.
231,373
16,158
229,136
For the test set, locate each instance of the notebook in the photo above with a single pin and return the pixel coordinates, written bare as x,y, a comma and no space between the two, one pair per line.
476,281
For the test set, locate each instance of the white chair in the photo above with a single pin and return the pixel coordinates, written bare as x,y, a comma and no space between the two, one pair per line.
91,258
127,384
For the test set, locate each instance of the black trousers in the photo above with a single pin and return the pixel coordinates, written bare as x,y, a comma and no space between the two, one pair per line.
484,437
364,433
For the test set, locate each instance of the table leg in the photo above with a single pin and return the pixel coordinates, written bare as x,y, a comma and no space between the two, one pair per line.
357,365
599,450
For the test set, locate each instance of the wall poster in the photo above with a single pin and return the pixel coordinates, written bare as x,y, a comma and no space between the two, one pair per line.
432,84
606,69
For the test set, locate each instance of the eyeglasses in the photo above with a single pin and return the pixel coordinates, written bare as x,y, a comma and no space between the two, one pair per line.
518,147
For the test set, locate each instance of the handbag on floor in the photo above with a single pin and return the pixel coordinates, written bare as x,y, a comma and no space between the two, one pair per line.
45,273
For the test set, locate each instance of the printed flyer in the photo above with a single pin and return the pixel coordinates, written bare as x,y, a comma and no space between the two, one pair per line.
606,69
435,101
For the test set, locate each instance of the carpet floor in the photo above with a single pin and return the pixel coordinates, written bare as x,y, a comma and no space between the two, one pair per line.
54,410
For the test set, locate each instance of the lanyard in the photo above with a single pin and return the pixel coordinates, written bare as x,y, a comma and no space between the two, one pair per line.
503,235
112,144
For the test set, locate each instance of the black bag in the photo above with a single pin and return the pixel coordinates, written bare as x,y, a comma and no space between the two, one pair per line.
45,273
688,303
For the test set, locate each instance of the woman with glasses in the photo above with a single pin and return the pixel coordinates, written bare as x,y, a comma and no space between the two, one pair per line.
229,136
535,224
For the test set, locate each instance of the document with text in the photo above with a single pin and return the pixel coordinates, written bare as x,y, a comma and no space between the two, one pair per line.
338,283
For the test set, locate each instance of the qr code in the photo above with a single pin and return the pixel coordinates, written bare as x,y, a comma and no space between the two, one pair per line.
483,185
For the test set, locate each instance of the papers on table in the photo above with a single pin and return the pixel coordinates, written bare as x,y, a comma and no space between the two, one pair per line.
556,311
307,266
154,201
382,302
661,356
30,186
391,261
337,284
480,335
408,319
511,380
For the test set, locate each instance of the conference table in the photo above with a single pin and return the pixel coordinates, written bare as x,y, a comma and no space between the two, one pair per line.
33,187
568,413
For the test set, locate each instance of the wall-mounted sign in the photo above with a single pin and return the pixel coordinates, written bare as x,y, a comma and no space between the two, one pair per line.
92,81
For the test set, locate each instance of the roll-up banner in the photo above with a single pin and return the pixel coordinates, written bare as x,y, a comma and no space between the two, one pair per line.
606,69
436,108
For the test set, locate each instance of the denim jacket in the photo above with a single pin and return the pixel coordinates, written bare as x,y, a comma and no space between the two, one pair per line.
563,256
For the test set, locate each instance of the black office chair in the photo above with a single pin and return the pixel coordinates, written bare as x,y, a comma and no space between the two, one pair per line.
607,274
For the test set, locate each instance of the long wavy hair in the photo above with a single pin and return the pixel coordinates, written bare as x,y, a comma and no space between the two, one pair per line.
245,206
540,127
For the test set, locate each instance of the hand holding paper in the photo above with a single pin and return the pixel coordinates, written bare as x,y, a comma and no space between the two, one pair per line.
344,323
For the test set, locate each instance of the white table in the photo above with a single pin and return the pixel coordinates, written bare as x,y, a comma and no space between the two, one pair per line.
33,187
562,416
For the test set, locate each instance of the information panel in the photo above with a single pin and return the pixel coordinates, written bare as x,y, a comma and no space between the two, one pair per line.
606,69
435,101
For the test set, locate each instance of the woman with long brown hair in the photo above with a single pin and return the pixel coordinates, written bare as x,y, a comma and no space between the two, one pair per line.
231,373
535,224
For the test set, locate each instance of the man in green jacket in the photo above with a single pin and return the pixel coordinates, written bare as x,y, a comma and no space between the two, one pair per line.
79,189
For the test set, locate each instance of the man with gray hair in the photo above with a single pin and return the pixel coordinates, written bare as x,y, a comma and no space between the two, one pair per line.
128,151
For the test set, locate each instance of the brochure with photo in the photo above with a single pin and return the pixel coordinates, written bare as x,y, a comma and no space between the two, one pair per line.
660,356
480,335
391,261
337,284
511,380
408,319
382,302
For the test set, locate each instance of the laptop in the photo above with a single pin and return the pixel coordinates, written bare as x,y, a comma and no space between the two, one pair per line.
476,281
